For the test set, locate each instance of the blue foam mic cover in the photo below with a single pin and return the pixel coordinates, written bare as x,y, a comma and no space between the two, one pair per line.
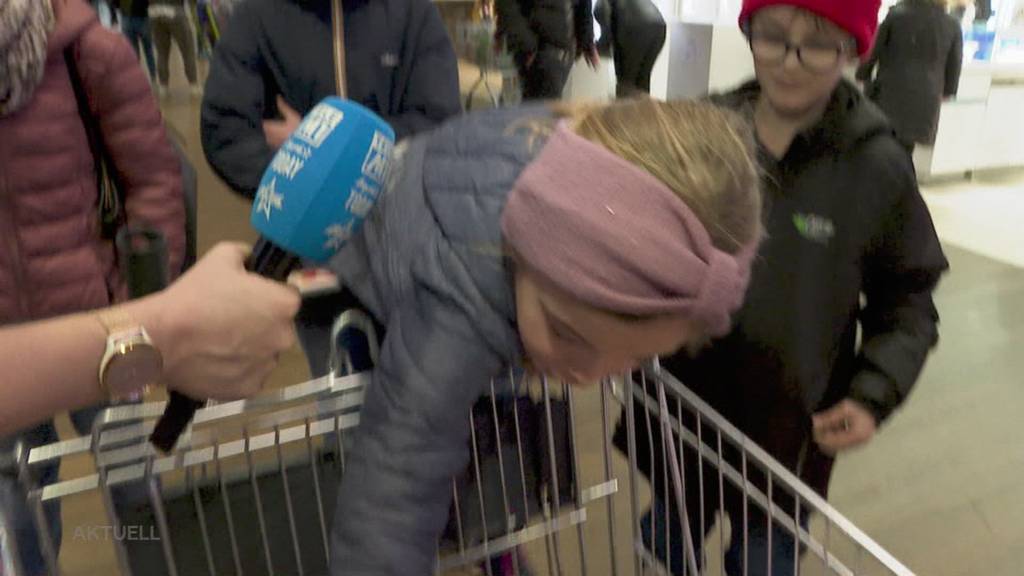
320,186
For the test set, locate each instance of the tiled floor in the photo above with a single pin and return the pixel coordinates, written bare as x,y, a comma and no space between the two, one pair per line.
941,487
983,215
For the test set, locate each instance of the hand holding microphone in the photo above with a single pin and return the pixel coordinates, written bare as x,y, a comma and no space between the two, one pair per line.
229,327
319,187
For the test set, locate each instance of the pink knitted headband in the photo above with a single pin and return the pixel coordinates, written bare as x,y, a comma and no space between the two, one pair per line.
614,236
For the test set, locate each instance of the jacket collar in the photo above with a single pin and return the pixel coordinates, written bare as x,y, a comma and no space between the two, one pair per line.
849,120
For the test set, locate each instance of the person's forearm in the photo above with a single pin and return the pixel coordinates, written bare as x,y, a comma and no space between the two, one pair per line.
48,367
219,328
52,366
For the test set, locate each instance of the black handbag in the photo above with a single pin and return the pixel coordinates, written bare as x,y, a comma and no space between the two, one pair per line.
110,203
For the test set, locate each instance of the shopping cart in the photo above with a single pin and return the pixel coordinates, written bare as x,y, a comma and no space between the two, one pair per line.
251,487
476,43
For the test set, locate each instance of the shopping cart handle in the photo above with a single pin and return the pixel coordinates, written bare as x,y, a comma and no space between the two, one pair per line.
177,415
143,254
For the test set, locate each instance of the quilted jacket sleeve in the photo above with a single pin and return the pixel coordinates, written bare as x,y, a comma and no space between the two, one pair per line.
412,440
134,135
233,107
899,320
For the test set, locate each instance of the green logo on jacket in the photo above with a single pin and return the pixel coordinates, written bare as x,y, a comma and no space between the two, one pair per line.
814,227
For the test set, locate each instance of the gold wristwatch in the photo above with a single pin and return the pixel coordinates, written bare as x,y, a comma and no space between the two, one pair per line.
131,363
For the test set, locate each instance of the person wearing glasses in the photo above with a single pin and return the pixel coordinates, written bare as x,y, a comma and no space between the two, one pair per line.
850,246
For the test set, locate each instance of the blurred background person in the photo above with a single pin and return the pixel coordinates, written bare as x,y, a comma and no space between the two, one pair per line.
545,37
207,28
169,21
914,65
135,26
107,11
982,13
633,32
958,9
54,259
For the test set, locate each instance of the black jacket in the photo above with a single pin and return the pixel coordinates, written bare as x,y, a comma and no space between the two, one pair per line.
399,63
844,220
529,25
918,54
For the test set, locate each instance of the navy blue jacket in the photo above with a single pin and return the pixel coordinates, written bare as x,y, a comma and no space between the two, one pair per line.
399,63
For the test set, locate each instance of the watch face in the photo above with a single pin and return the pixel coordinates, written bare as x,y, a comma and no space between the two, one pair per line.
129,374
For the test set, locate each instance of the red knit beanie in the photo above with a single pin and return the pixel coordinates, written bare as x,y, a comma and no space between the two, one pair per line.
858,17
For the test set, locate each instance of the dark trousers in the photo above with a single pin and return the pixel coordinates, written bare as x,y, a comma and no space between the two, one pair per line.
754,549
178,29
635,54
750,552
136,29
545,77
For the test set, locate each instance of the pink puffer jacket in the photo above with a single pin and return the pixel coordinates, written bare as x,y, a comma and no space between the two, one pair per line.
52,260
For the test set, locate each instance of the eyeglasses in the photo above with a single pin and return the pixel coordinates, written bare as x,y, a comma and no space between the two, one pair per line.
817,57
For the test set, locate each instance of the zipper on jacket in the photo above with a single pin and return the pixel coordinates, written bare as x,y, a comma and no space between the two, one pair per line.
801,458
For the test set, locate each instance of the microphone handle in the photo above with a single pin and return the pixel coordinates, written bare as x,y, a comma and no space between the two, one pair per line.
172,424
143,255
267,260
270,261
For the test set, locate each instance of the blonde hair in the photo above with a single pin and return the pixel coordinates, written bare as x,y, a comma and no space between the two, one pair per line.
704,153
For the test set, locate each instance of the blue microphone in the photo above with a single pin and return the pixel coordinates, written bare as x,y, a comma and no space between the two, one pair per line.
313,197
321,184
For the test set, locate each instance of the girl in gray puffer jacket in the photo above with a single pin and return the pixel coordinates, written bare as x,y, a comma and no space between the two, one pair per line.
577,247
